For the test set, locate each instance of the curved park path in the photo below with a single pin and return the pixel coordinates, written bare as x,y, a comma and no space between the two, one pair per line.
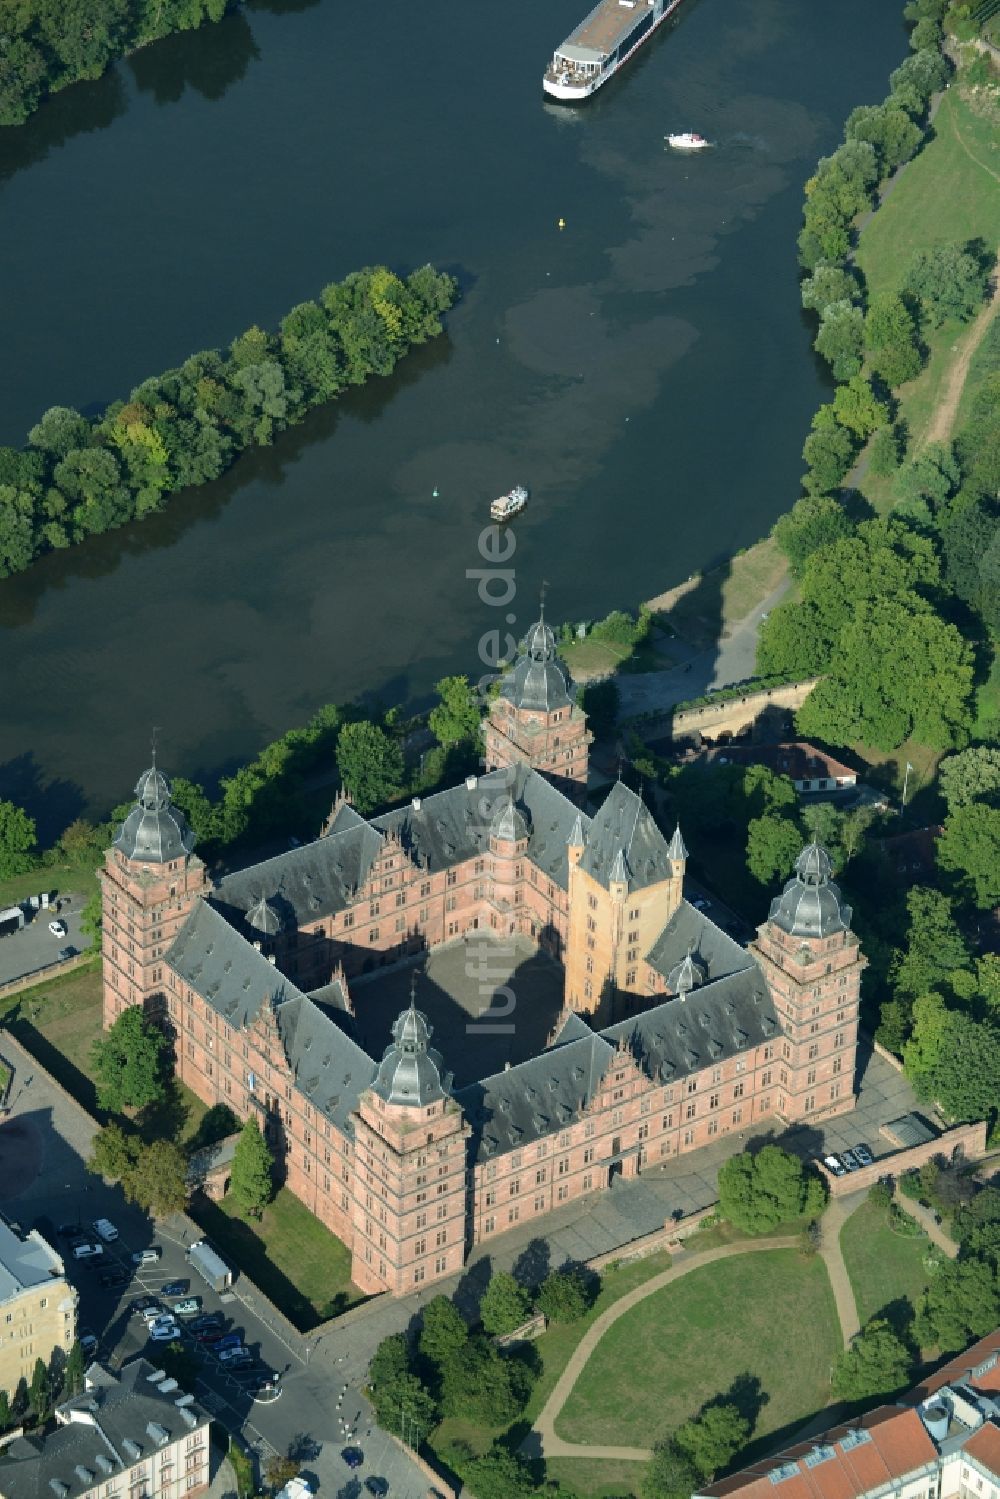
542,1439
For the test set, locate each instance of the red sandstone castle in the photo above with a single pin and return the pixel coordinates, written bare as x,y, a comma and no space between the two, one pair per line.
671,1033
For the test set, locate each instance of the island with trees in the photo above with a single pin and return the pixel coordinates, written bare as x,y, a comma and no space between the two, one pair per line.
81,476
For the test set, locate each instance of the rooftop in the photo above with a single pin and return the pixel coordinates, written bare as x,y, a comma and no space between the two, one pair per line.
25,1262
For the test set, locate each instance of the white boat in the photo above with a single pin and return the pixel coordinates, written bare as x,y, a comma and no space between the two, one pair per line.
509,505
603,41
687,140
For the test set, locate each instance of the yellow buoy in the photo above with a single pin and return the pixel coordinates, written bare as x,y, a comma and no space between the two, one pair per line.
562,223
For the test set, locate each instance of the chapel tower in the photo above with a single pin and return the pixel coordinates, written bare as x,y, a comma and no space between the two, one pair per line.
409,1178
813,965
534,720
150,881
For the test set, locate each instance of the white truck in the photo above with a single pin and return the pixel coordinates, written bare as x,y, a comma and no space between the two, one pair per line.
210,1266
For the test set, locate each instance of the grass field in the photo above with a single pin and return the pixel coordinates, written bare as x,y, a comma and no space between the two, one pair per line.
959,172
696,1339
884,1266
60,878
727,594
296,1262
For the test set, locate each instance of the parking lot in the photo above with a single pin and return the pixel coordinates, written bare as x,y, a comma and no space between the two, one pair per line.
34,947
44,1183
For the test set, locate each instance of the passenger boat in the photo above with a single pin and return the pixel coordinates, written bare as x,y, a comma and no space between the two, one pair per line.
509,505
603,41
688,140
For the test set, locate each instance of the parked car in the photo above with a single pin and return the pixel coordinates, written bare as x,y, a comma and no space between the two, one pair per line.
239,1355
141,1303
147,1256
68,1230
174,1288
207,1321
208,1335
153,1313
377,1486
66,952
353,1456
864,1155
87,1251
114,1275
88,1343
834,1165
226,1343
189,1307
850,1160
58,928
164,1332
106,1229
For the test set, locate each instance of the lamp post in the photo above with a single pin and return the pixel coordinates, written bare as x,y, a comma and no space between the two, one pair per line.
906,780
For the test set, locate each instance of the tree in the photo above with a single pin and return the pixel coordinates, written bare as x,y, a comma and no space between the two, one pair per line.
773,844
758,1191
112,1152
458,714
279,1470
883,452
73,1372
670,1474
478,1383
565,1295
38,1391
129,1062
916,79
856,408
406,1408
813,522
828,284
600,701
712,1439
947,282
157,1178
966,1078
18,838
890,339
505,1304
840,339
877,1363
443,1333
899,671
829,451
5,1416
251,1180
499,1474
972,776
935,946
961,1303
370,764
888,128
970,845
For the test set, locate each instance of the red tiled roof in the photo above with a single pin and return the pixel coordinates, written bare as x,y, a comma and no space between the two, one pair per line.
800,761
899,1443
984,1446
960,1370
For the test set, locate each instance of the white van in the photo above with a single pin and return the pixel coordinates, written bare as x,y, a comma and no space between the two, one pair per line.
87,1251
106,1229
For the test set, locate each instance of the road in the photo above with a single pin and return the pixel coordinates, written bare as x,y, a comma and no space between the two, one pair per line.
34,947
732,659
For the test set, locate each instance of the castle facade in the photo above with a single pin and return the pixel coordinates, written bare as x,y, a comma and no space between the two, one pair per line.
671,1033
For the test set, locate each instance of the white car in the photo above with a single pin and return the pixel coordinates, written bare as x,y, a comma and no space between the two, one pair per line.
87,1251
164,1332
58,928
106,1229
155,1313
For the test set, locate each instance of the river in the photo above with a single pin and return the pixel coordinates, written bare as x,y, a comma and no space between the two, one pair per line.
645,370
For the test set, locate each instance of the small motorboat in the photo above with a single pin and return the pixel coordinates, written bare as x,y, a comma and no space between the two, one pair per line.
509,505
688,140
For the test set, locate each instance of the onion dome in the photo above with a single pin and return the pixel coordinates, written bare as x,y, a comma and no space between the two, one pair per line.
676,849
686,975
811,904
155,831
539,643
264,918
509,824
536,680
410,1071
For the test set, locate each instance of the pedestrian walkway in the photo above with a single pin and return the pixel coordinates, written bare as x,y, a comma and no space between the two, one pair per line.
928,1222
833,1220
542,1441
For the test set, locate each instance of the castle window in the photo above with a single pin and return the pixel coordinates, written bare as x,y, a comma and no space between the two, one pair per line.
768,1053
401,898
373,934
425,889
489,1225
373,908
588,1155
813,1050
713,1101
713,1126
348,918
588,1130
838,1039
630,976
837,1064
418,1275
810,1077
690,1111
451,877
562,1193
633,915
513,1213
689,1137
810,1102
765,1079
737,1115
592,902
692,1086
540,1177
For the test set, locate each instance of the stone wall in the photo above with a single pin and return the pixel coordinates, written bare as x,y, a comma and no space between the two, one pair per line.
968,1140
50,971
734,714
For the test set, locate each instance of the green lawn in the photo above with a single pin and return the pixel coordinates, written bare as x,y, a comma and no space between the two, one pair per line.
957,173
60,878
884,1266
296,1262
58,1020
695,1339
753,574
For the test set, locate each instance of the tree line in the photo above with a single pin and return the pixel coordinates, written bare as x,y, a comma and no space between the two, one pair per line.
49,44
81,476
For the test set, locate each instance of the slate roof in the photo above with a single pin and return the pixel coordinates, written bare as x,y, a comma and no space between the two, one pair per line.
313,881
128,1407
690,930
543,1094
25,1262
154,830
235,979
626,823
720,1020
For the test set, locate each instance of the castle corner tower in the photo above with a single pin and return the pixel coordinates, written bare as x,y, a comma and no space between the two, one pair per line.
534,720
150,881
813,965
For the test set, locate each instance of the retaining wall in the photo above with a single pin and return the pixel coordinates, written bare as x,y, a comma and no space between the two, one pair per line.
968,1140
50,971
